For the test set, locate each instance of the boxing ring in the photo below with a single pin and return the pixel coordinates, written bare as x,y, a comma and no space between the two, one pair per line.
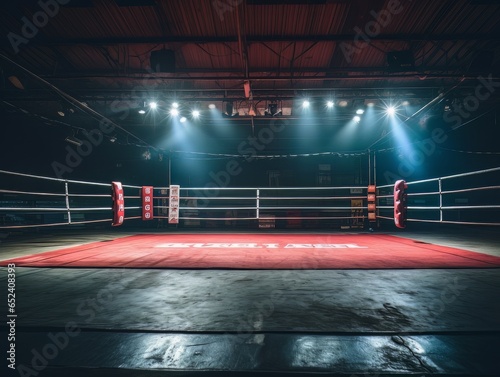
363,211
450,199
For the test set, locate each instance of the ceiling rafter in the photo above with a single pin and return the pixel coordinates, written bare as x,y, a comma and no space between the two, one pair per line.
49,41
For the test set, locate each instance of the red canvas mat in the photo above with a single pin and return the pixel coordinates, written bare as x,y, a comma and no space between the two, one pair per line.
260,251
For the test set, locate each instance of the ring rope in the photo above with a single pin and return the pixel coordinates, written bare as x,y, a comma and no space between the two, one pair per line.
266,218
453,207
272,188
453,176
470,189
423,193
90,195
453,222
385,218
268,208
266,197
54,179
32,193
55,224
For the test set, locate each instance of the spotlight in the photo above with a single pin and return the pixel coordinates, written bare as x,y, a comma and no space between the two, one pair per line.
112,139
142,111
196,114
153,105
175,105
357,119
390,110
360,111
329,104
305,104
211,106
343,103
61,113
183,119
405,103
174,112
146,155
370,103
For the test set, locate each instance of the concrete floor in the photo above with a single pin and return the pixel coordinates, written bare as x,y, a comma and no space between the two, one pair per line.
184,322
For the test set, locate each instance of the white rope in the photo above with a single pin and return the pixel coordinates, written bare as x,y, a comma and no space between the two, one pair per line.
472,207
268,218
453,222
54,179
471,189
31,193
55,224
266,208
273,188
455,176
423,193
267,198
385,218
38,209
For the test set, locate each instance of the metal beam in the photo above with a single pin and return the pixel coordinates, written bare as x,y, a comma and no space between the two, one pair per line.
200,95
258,38
258,70
255,78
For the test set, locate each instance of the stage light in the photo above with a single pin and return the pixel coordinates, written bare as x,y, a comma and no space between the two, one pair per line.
146,155
174,112
183,119
175,105
61,113
211,106
343,103
142,111
329,104
357,119
405,103
360,111
153,105
370,103
196,114
305,104
390,110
